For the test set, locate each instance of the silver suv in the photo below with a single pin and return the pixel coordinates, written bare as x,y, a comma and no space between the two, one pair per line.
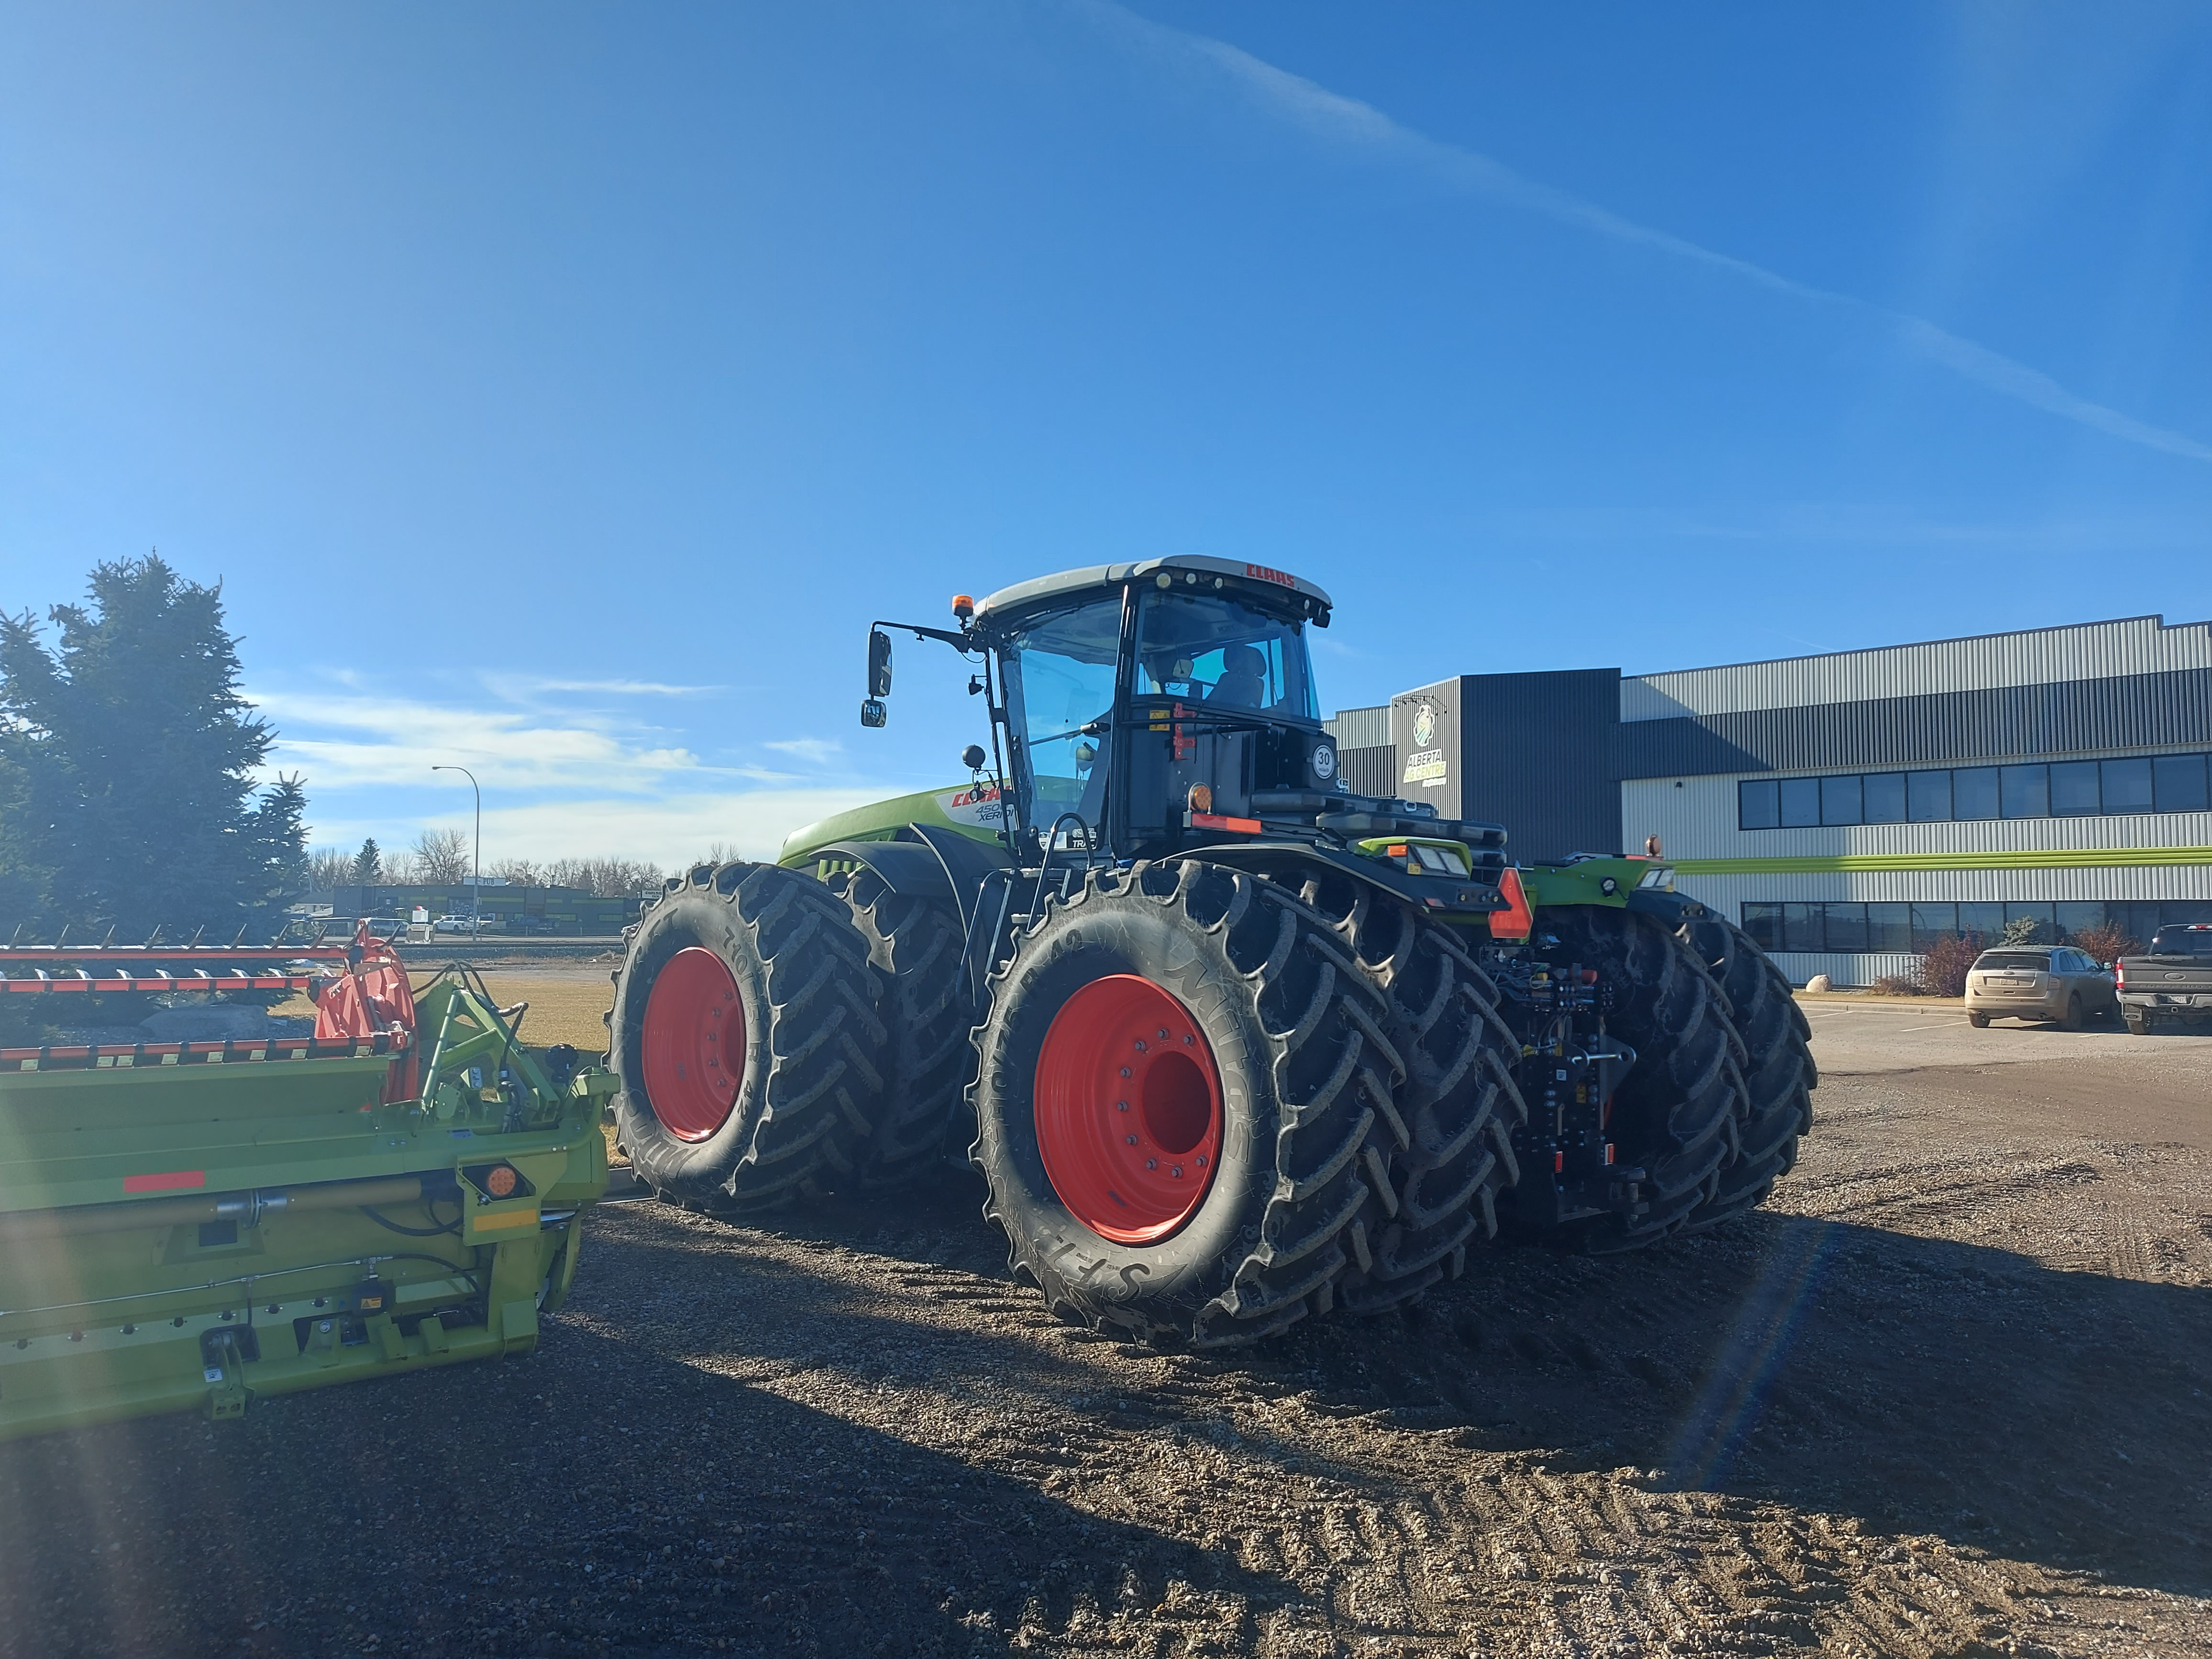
2041,982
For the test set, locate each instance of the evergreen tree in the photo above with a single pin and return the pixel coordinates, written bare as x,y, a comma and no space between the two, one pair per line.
127,796
369,864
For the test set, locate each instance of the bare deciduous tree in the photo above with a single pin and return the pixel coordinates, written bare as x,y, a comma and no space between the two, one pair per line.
442,858
603,878
329,867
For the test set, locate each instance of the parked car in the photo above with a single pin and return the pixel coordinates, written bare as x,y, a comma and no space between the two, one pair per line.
454,925
2040,982
2171,982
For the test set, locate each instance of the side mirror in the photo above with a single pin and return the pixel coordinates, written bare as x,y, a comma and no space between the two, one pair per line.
872,712
879,666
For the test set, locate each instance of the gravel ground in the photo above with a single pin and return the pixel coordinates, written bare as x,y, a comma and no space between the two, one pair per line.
1946,1396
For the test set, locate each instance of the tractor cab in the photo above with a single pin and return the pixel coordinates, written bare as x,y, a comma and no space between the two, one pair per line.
1145,706
1142,711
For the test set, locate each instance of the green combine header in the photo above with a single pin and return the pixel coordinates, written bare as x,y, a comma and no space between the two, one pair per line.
204,1224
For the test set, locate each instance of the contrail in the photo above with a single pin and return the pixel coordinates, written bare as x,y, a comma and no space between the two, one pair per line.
1349,122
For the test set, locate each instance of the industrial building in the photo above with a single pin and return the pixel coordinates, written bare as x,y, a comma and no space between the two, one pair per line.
1846,809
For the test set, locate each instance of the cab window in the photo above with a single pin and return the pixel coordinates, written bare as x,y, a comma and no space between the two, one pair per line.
1211,650
1059,678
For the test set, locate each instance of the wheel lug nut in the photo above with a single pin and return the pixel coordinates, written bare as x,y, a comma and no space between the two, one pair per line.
1132,1140
1163,1033
1151,1163
1124,1071
1176,1171
1140,1045
1120,1105
1201,1160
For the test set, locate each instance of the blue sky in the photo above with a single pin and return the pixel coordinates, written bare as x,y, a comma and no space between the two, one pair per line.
559,391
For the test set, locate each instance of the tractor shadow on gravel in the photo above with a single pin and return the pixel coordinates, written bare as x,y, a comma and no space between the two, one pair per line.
601,1496
1920,1385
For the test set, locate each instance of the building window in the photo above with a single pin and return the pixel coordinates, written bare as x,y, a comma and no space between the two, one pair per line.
2127,785
2178,783
1885,798
2026,791
1844,927
1840,800
1929,793
2064,789
1933,921
1974,792
2074,791
1981,921
1763,923
1800,803
1904,929
1889,927
1757,804
1801,927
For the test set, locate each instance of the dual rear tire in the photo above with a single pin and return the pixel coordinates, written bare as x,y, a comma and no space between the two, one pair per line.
1184,1107
747,1039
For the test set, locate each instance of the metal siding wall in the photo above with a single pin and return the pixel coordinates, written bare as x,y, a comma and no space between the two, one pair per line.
2124,648
1368,771
1537,758
2140,711
1361,728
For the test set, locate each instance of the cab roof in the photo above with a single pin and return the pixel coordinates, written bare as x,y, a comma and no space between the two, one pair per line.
1189,569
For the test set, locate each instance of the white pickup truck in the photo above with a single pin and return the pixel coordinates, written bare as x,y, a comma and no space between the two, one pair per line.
2170,984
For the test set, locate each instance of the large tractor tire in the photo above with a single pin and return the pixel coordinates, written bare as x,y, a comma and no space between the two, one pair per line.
1458,1098
747,1041
1183,1106
1779,1075
1679,1113
916,946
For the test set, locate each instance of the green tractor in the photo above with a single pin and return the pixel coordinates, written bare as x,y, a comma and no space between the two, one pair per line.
1229,1045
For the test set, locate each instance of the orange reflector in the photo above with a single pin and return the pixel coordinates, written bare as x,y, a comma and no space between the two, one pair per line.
499,1181
1209,821
1518,919
1396,850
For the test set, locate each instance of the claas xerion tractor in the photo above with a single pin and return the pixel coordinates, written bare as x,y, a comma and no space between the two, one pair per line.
1231,1045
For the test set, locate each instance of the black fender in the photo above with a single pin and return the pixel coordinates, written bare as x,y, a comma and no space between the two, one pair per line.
1672,908
923,861
1479,892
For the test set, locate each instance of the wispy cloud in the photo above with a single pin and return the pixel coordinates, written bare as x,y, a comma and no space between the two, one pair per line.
817,751
362,738
557,780
1349,124
670,830
526,685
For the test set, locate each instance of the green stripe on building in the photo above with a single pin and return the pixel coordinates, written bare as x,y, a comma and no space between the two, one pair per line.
2069,858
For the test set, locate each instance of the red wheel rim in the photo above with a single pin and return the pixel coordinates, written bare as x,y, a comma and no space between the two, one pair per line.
693,1043
1128,1109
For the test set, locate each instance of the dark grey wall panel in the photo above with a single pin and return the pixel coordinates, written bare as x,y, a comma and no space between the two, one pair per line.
1369,771
1531,751
2135,711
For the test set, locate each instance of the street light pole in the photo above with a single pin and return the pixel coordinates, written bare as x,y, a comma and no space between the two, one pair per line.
475,891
